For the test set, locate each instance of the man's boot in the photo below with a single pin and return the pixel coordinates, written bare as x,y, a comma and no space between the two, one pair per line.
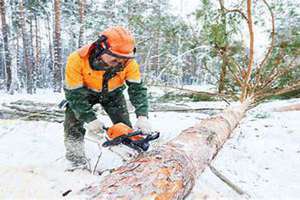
74,141
75,155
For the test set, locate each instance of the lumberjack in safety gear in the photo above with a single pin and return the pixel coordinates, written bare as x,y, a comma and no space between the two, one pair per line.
97,73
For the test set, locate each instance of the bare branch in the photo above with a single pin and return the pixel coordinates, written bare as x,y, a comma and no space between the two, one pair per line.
237,65
271,45
236,78
278,91
272,35
280,73
268,78
209,71
232,10
251,46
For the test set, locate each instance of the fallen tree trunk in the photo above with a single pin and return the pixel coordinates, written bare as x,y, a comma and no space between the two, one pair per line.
29,116
170,171
30,110
294,107
194,91
167,107
36,111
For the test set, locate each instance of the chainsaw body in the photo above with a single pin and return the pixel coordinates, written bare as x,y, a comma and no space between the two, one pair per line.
120,133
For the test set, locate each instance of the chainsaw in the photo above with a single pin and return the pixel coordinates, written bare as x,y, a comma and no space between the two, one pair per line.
120,133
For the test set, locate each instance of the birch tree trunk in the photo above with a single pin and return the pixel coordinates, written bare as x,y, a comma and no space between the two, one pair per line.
7,55
57,48
170,171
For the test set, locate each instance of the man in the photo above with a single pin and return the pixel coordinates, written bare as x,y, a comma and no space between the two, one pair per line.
96,73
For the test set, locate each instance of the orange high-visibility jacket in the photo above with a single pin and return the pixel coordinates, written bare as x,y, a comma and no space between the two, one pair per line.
78,72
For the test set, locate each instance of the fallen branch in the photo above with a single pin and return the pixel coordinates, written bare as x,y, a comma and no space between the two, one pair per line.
98,159
259,96
227,181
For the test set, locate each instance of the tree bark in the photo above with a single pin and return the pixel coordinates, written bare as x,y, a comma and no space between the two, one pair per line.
20,69
224,50
155,66
37,53
26,44
57,48
82,5
6,46
223,74
247,73
32,56
170,171
31,111
49,65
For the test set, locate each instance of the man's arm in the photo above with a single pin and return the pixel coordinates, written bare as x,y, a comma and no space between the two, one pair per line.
138,97
136,89
75,92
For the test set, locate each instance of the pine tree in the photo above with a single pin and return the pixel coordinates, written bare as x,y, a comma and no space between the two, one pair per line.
6,45
26,50
82,5
57,48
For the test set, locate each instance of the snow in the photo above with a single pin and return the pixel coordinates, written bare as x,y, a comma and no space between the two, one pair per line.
45,96
262,157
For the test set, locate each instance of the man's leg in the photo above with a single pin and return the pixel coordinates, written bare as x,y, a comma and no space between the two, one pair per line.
74,139
116,108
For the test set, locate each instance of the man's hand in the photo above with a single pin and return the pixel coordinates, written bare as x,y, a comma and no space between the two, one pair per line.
95,127
143,124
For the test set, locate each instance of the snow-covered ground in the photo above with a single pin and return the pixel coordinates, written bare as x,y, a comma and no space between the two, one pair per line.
262,157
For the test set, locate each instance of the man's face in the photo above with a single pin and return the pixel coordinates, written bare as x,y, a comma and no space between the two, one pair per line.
113,61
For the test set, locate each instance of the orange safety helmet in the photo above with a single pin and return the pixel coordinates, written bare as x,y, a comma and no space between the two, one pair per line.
118,42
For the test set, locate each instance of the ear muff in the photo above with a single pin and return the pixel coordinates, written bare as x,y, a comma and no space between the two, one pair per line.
102,42
102,46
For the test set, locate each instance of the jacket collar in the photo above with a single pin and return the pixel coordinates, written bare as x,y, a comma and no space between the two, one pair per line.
85,50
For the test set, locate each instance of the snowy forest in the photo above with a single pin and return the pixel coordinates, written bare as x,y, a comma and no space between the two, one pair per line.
206,47
223,80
